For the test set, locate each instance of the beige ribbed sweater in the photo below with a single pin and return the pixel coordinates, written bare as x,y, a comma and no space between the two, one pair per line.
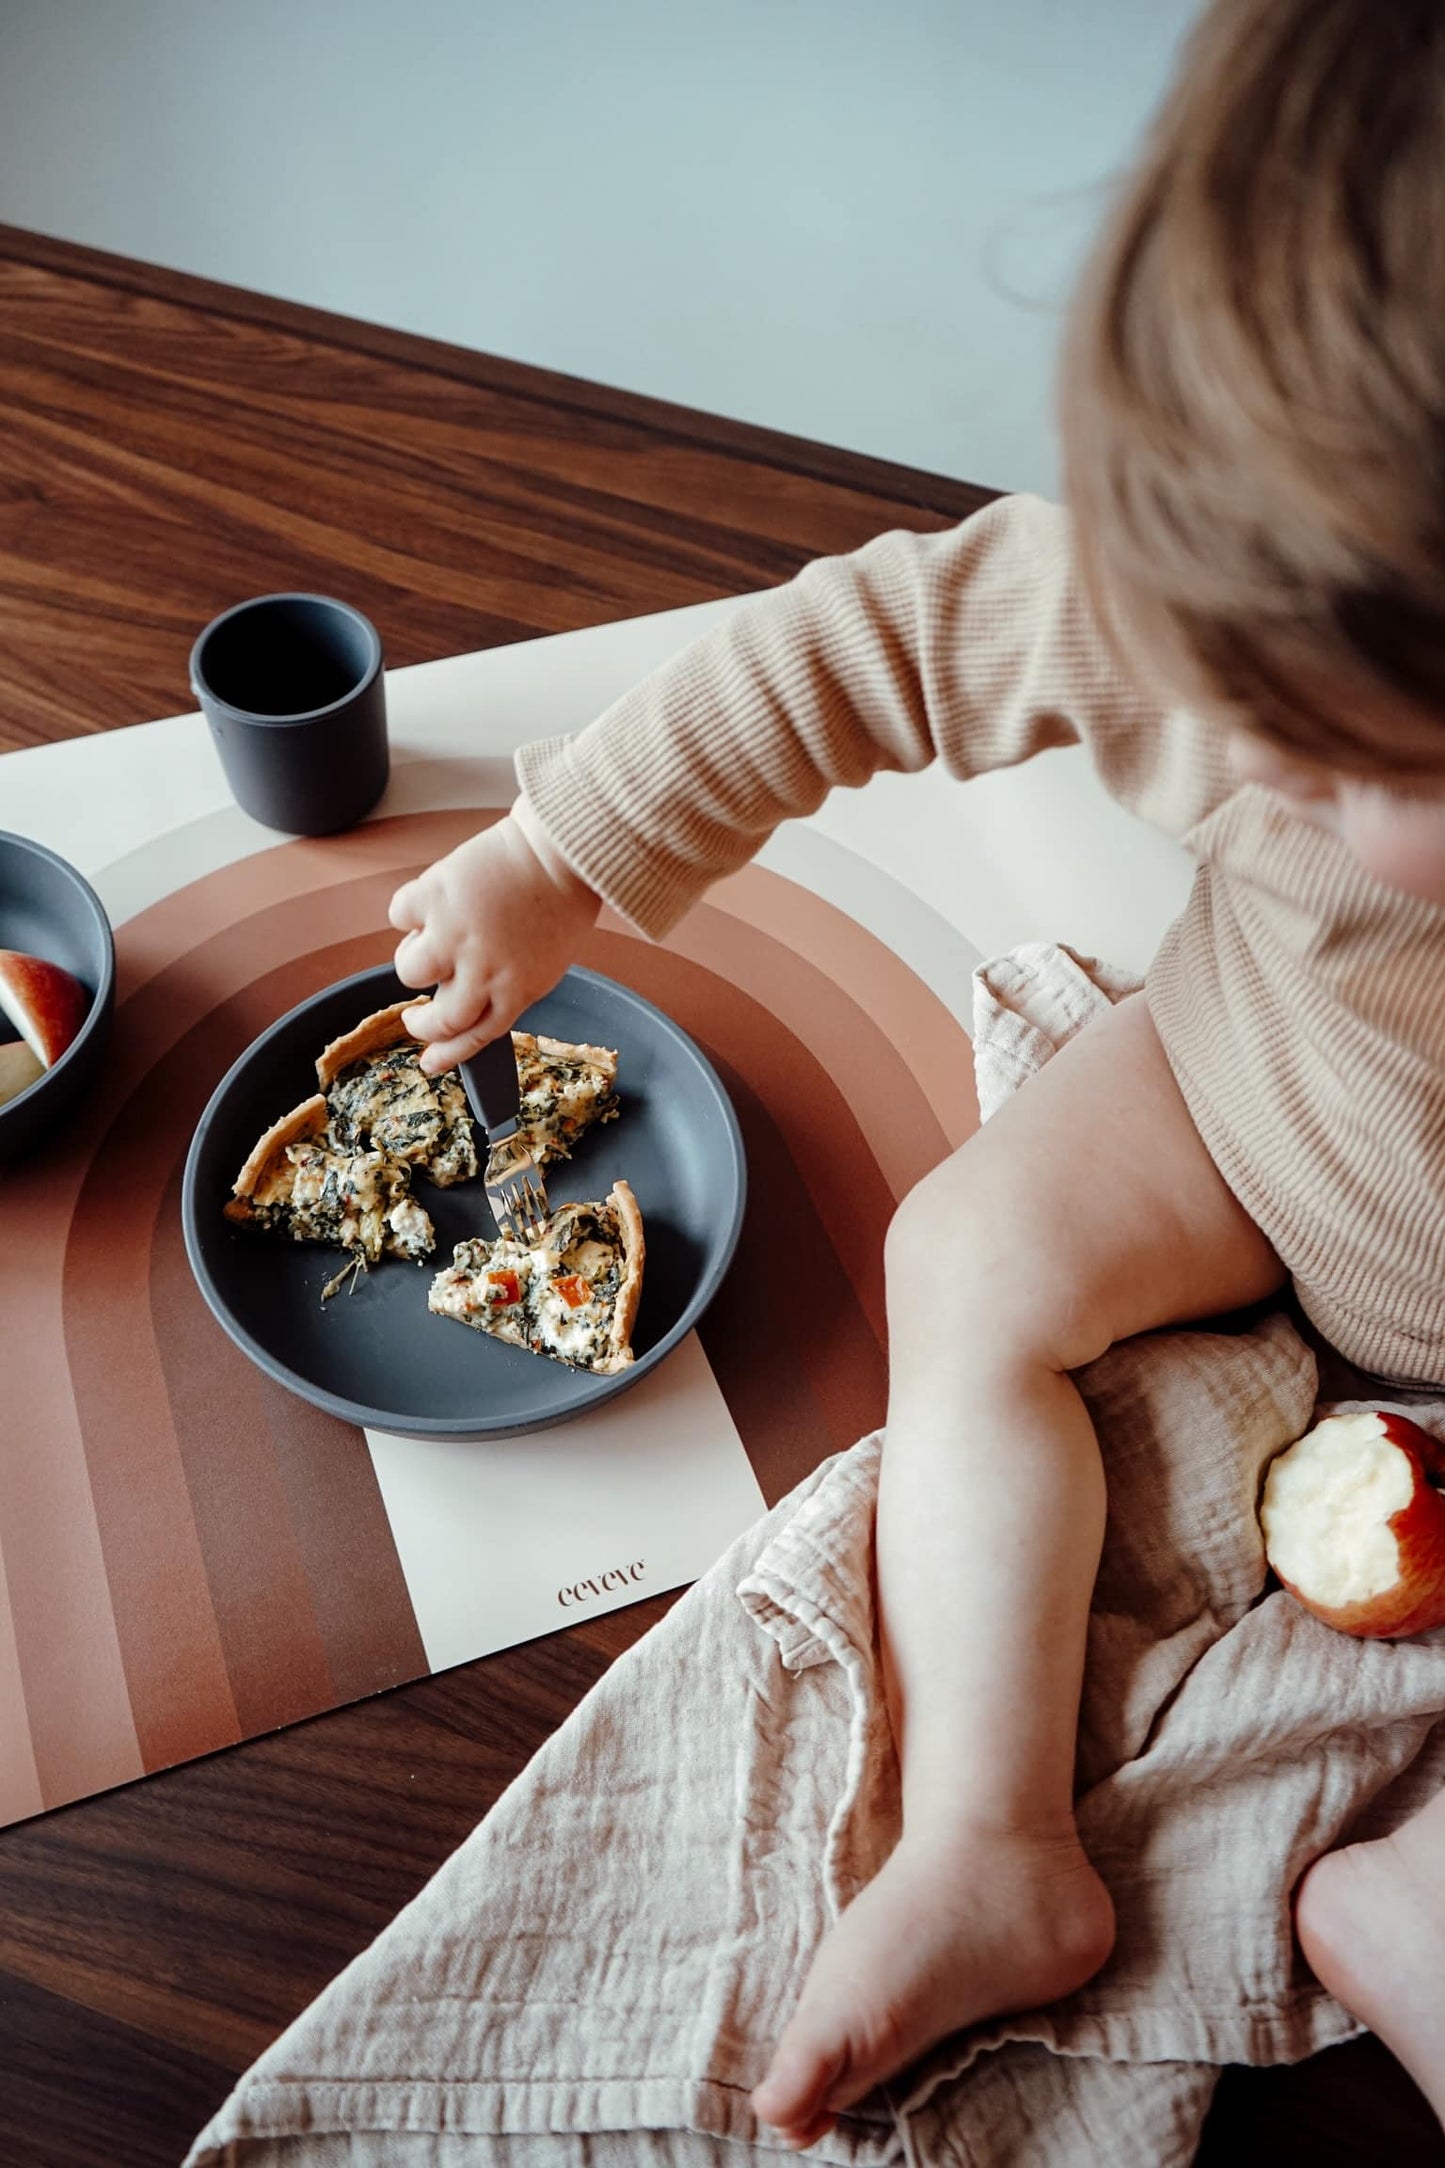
1300,1002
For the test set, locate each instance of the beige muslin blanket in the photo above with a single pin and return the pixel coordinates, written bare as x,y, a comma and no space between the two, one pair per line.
598,1975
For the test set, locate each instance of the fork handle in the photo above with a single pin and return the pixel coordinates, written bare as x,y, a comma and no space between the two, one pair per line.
492,1086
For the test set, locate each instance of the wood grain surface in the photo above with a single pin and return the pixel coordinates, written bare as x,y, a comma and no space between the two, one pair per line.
167,447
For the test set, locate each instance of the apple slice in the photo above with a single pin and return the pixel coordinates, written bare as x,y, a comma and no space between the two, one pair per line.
20,1065
1354,1527
45,1004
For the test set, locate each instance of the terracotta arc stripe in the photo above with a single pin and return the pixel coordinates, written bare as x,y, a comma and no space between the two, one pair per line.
832,1156
794,1354
932,1043
299,1553
275,1659
238,1646
836,1348
81,1723
847,1042
174,1664
792,1408
20,1792
790,1081
358,1589
195,913
235,955
81,1732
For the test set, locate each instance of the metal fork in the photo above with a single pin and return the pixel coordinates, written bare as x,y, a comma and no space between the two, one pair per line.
515,1189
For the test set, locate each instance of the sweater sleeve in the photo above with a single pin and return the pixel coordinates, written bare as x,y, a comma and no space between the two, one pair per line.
976,647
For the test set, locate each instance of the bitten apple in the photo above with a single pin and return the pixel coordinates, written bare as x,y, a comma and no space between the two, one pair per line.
19,1067
45,1004
1354,1527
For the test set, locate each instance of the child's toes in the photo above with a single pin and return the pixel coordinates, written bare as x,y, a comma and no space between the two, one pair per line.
836,2047
929,1946
794,2096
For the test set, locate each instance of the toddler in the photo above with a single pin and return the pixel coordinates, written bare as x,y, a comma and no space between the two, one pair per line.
1244,620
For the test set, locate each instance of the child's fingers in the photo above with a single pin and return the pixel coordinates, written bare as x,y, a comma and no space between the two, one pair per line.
446,1053
418,960
444,1042
422,1024
406,909
451,1011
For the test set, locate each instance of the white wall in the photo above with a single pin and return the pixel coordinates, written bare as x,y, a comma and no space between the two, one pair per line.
854,219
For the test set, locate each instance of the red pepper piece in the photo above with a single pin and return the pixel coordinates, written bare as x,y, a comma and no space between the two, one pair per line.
573,1289
508,1282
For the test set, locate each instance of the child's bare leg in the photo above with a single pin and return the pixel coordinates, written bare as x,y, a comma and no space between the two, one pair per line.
1371,1921
1086,1210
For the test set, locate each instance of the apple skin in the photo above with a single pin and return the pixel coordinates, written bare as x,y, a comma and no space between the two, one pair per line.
1414,1602
45,1004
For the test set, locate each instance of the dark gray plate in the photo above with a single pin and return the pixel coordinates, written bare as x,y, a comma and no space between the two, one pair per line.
377,1356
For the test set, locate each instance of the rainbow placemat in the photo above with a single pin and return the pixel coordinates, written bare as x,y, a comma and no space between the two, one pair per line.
188,1555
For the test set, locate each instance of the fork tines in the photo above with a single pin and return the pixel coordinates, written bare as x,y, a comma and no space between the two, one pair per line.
516,1194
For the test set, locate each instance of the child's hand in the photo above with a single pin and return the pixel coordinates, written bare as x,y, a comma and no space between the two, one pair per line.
492,926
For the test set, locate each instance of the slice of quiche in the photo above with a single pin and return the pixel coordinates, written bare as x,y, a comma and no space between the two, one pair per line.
379,1096
379,1100
573,1295
565,1089
298,1182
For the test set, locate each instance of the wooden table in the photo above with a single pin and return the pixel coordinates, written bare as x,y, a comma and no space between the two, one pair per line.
167,447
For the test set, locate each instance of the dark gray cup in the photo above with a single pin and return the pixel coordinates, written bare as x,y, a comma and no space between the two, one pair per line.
292,688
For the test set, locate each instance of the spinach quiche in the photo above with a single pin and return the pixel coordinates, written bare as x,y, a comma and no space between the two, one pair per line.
380,1100
565,1090
379,1096
573,1295
299,1181
338,1168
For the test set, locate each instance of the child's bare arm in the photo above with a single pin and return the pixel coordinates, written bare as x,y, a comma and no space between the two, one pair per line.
491,926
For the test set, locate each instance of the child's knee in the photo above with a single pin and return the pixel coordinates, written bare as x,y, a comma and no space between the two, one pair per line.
973,1258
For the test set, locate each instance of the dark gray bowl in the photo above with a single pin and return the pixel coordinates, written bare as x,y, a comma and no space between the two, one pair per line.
48,909
377,1356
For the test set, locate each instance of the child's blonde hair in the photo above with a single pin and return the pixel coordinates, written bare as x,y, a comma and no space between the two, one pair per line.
1254,383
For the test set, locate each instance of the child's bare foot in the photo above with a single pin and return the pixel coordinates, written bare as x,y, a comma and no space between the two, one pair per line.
1371,1921
939,1939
